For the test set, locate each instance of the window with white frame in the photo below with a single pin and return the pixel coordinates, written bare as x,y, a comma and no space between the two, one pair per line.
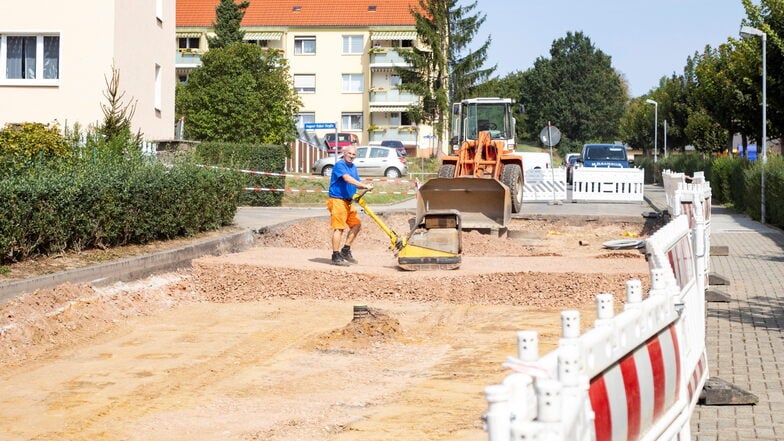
305,118
305,45
353,82
353,45
351,121
305,83
29,59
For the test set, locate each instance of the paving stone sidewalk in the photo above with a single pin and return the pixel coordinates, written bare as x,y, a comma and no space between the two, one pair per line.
744,337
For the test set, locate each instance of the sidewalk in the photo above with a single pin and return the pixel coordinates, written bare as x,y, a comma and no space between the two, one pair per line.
744,337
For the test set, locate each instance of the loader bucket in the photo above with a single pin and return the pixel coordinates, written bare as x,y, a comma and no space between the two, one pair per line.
482,203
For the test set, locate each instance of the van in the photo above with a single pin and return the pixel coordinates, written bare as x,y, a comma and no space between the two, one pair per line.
344,140
534,160
605,156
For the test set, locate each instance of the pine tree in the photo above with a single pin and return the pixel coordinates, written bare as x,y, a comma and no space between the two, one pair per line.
443,70
228,16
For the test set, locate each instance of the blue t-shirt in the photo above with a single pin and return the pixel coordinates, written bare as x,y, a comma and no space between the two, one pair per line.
338,187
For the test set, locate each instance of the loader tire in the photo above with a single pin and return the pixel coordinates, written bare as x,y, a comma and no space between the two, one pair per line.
512,177
446,171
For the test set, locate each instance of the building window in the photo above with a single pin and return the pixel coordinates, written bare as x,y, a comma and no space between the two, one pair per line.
304,45
259,43
351,121
305,83
158,88
353,44
29,59
305,118
353,82
188,42
394,80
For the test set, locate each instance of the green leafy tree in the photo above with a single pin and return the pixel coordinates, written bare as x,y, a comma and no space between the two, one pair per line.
228,16
241,93
577,90
509,86
767,16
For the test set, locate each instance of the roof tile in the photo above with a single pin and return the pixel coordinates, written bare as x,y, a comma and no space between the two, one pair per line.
201,13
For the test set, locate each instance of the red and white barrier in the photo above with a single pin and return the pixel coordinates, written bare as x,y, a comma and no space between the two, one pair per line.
633,376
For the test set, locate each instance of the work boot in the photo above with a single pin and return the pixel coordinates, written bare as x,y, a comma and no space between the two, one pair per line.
345,253
338,259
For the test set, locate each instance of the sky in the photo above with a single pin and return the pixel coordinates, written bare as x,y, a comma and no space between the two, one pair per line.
646,39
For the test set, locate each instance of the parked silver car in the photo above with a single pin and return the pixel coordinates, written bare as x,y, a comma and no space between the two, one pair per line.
370,161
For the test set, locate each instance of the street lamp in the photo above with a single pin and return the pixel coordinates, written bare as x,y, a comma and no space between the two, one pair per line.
749,32
655,129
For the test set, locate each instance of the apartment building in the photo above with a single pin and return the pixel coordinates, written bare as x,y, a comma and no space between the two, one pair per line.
342,56
55,57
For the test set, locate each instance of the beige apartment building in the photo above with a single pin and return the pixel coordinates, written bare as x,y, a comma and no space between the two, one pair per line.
342,56
55,58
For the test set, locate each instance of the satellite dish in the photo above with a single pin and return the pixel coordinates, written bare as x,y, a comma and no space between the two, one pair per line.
550,136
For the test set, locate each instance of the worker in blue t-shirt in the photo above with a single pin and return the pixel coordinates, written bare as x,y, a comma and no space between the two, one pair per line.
343,215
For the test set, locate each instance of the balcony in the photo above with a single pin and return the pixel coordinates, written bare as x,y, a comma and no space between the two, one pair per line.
387,58
187,59
392,97
406,134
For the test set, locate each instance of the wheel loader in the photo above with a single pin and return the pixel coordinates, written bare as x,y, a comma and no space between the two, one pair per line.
434,242
483,177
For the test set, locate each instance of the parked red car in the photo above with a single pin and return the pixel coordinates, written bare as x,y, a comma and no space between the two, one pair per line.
344,139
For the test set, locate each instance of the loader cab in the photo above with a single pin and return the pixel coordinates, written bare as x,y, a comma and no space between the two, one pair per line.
493,115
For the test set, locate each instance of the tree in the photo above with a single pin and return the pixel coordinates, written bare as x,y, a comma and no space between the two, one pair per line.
466,69
767,16
228,16
577,90
241,93
443,69
117,116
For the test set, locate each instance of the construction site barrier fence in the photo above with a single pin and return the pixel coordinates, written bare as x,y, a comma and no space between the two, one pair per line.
544,184
608,184
636,375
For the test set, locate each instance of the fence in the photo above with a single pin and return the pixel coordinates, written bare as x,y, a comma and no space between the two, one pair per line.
607,184
544,184
635,375
303,155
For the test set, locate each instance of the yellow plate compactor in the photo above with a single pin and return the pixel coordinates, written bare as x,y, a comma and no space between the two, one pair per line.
434,242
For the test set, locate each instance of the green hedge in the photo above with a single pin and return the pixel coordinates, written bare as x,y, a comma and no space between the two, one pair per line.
265,158
736,182
55,207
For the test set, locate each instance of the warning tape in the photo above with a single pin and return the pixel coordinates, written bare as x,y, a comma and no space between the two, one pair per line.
294,190
286,175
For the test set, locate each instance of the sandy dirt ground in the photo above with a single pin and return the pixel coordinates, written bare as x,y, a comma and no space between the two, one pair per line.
264,344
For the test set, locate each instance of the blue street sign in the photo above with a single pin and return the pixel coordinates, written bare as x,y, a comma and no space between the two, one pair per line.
319,126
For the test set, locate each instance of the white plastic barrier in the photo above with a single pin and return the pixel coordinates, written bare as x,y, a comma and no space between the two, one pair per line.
544,184
681,195
635,375
608,184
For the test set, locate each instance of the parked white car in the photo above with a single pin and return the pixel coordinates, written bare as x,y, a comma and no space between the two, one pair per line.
370,161
534,160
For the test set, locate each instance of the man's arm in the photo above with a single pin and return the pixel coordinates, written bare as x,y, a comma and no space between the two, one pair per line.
350,179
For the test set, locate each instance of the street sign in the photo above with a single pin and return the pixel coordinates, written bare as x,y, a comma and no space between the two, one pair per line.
319,126
550,135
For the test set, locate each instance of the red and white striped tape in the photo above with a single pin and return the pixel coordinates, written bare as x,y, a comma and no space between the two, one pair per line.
631,395
294,190
285,175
